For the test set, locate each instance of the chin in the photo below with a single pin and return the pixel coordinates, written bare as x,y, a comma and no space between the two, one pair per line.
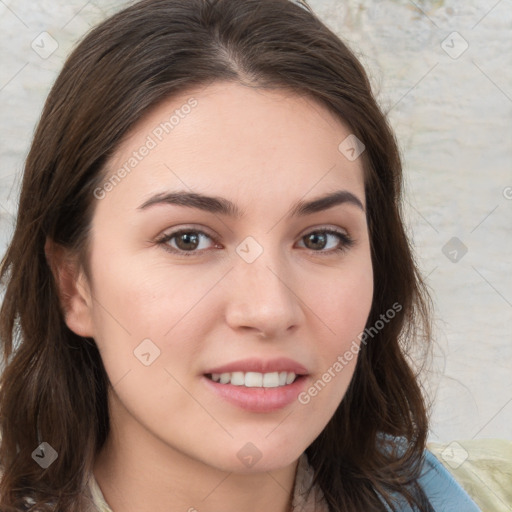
248,458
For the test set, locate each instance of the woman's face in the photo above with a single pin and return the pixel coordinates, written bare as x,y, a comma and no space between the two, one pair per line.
264,281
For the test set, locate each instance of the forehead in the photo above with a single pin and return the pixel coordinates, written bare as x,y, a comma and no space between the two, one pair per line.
236,141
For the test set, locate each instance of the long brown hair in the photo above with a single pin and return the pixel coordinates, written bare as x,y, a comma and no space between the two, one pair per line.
54,386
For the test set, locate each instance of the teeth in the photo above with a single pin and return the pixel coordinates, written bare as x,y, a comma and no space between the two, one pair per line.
224,378
290,377
271,380
252,380
255,379
237,378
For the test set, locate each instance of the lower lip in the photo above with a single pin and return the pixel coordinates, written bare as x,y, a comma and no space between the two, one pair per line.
258,399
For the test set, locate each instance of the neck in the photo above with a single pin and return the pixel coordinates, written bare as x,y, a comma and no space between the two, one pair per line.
137,472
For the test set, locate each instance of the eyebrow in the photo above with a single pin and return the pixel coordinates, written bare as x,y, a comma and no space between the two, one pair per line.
223,206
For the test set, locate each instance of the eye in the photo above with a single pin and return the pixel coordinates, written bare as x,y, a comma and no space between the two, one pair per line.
191,242
330,239
186,242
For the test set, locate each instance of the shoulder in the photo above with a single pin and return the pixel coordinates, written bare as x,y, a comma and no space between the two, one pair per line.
442,490
444,493
482,467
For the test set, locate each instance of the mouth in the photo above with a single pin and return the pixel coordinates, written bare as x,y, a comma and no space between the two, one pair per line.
257,392
256,384
255,379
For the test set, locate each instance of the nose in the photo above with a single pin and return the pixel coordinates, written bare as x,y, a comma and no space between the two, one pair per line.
263,297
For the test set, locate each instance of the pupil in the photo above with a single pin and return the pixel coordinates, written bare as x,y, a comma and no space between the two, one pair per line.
318,240
188,238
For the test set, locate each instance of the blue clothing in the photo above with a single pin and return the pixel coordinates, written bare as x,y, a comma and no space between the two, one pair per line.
442,490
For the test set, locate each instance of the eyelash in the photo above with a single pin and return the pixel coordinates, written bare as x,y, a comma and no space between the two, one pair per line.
346,242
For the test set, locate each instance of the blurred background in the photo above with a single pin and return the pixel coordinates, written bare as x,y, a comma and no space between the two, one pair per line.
442,71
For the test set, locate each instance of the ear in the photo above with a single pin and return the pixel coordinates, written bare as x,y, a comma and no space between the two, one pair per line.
73,288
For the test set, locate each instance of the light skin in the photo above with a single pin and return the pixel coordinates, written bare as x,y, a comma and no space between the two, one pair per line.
173,443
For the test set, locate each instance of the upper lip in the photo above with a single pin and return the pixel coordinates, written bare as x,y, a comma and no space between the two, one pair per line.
281,364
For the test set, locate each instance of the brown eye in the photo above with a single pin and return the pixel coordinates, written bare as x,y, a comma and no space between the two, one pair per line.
327,241
186,242
315,240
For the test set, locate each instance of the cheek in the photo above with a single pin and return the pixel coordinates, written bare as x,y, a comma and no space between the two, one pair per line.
140,308
342,302
141,295
342,305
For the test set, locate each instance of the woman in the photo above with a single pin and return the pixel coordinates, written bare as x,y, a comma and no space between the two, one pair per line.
210,296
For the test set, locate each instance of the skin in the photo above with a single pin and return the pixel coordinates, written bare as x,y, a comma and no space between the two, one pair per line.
173,443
